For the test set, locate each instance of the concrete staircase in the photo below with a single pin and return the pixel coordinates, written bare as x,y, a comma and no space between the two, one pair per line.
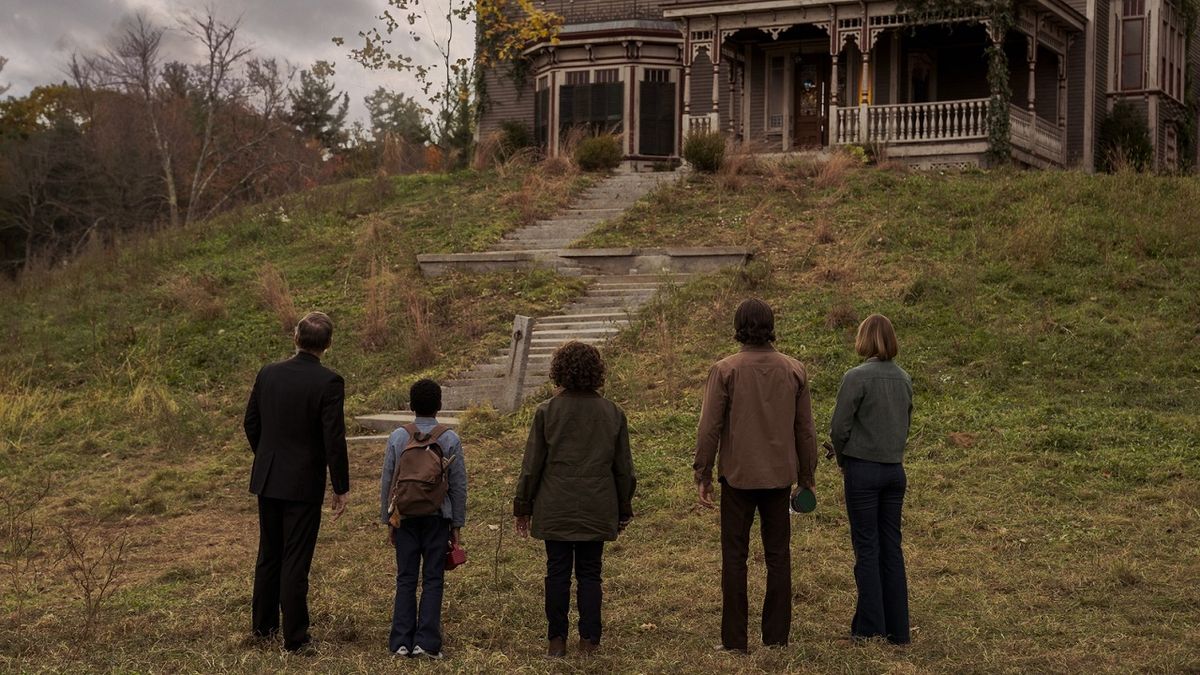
599,314
607,199
618,286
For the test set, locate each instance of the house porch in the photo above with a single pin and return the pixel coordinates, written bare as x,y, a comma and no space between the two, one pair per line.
790,78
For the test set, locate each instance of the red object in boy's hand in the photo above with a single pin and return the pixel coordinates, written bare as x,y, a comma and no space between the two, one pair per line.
455,556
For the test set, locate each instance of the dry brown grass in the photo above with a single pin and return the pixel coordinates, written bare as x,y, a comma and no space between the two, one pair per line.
835,171
275,296
421,330
841,316
377,319
199,295
488,151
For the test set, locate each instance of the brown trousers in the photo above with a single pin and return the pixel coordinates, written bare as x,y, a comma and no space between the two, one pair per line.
737,516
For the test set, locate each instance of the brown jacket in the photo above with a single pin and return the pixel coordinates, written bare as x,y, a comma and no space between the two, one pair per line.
758,412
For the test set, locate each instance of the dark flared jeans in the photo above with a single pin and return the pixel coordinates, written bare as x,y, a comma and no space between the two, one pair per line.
874,500
421,544
737,517
586,557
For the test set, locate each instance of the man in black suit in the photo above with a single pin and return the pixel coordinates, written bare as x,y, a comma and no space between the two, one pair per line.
296,428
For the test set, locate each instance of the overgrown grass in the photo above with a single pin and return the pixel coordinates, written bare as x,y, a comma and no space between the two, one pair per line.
1048,319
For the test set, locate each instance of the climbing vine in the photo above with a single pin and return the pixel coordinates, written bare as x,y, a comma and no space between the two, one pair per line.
999,14
1190,9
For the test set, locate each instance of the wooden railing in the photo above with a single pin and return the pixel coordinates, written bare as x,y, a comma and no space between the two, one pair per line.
702,123
913,122
1037,136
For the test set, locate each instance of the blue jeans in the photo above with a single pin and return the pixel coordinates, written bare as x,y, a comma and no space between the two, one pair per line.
421,544
874,500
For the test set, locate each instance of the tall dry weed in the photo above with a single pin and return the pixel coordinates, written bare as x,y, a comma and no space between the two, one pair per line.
198,295
422,337
836,170
488,151
377,328
277,297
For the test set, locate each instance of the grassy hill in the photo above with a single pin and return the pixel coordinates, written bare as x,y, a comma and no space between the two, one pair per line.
1049,321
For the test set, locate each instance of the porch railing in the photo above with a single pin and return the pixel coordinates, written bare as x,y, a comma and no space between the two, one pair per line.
1036,135
913,122
702,123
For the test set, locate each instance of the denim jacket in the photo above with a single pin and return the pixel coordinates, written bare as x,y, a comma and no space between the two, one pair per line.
454,508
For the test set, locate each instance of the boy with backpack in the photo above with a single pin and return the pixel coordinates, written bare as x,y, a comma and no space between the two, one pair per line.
423,500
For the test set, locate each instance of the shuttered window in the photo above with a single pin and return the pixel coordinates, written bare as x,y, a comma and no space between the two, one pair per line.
595,107
656,114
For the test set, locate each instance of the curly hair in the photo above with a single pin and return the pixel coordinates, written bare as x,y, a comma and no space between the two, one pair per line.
577,367
754,323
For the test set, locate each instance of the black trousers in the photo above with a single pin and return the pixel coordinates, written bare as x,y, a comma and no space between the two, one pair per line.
287,536
874,501
587,559
737,516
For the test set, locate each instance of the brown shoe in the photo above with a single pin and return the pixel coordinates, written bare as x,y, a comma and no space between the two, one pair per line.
558,648
587,647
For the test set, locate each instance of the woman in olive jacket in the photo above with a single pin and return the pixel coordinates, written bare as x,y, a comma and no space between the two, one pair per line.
869,431
577,484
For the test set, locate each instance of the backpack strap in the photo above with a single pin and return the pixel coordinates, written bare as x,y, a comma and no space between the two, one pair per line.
436,432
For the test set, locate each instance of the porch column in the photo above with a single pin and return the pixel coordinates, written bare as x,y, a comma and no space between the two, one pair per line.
687,74
747,67
1062,92
733,81
1032,59
833,101
864,92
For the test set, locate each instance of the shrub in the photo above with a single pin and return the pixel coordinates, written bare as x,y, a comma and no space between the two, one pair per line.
1124,140
705,151
514,137
599,153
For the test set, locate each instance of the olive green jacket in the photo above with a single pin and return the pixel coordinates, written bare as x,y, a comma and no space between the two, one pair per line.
577,477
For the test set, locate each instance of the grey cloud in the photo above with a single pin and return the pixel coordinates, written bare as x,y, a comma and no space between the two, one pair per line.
38,36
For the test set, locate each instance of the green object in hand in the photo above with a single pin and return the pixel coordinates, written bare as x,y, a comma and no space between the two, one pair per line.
804,501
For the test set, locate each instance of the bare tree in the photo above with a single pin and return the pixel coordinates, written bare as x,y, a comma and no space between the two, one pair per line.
133,65
20,546
94,561
215,87
3,87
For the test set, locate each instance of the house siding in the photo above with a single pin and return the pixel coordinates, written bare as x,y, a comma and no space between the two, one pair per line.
1103,71
1076,74
505,101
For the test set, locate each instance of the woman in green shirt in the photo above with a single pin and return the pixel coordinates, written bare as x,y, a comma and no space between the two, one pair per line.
576,485
869,432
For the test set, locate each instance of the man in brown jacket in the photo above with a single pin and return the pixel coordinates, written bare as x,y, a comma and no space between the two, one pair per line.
758,414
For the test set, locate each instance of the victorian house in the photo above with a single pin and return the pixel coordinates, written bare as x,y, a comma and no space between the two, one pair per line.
785,75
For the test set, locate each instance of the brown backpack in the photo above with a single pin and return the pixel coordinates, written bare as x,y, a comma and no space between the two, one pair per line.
419,485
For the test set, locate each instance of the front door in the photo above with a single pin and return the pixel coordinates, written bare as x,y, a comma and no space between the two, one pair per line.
811,109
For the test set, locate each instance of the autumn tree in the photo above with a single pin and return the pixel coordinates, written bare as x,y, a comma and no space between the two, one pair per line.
504,29
318,110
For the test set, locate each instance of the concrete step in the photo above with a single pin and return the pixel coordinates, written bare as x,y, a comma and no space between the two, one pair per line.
560,222
599,214
581,316
390,421
601,290
590,330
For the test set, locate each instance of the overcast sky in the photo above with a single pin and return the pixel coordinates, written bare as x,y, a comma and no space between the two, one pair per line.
38,36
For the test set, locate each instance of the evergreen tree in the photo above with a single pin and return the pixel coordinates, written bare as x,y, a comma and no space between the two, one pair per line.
397,114
319,111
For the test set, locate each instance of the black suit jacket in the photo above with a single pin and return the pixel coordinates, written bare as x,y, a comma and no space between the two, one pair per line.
295,425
